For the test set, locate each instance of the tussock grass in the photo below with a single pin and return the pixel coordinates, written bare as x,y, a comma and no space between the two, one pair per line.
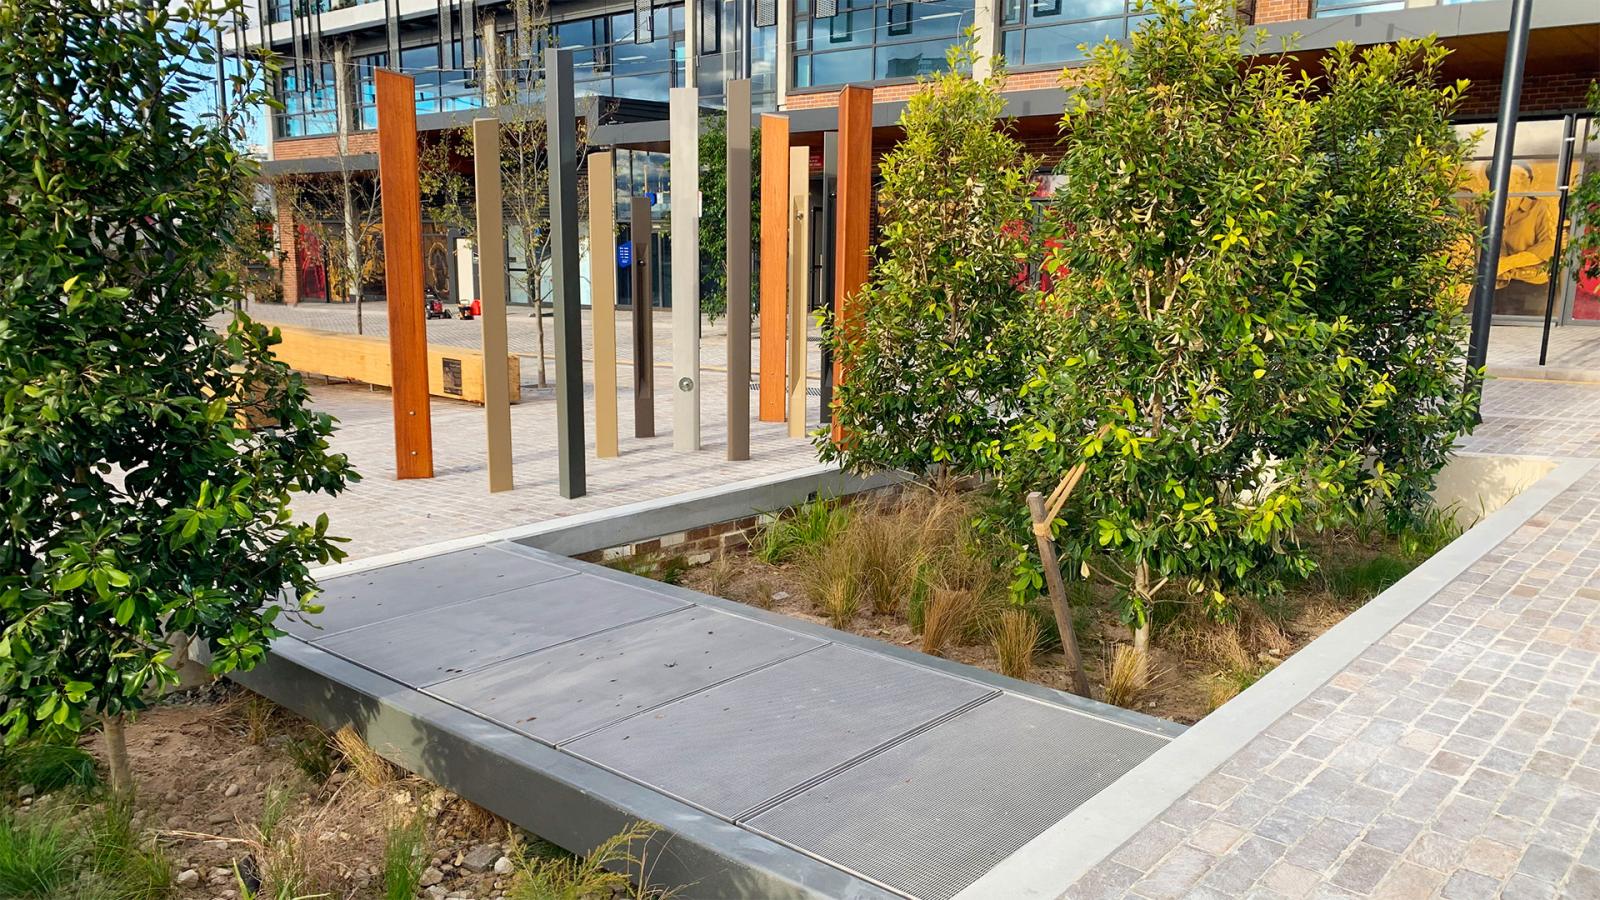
48,767
1016,638
1128,677
362,761
405,858
950,612
799,530
80,853
561,876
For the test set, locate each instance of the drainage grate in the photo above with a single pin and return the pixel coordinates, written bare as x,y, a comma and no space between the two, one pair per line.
561,693
429,647
350,601
932,814
740,744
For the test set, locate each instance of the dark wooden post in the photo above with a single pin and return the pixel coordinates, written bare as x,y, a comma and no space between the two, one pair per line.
644,377
853,219
738,249
402,271
560,125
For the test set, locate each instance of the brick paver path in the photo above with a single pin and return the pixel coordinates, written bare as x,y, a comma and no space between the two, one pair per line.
382,515
1454,758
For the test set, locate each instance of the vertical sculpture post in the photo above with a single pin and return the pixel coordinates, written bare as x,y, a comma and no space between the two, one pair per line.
737,93
854,209
492,293
560,122
603,298
826,238
684,116
799,283
644,339
402,274
774,262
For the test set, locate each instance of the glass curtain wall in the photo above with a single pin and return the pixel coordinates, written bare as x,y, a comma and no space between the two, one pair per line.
872,40
1040,32
309,101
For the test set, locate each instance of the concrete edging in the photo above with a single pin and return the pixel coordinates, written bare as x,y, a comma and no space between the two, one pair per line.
1051,863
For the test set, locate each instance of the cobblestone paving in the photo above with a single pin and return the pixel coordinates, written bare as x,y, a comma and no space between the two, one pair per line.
1572,347
1454,758
381,515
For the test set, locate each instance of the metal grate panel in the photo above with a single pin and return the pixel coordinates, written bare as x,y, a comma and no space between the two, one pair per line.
561,693
351,601
932,814
741,744
425,648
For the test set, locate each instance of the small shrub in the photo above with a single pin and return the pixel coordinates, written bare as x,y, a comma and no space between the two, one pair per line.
799,530
949,612
560,876
405,858
48,767
313,755
1128,677
360,758
1015,640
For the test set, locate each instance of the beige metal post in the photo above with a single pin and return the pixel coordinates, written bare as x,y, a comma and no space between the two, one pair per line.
603,298
799,283
492,293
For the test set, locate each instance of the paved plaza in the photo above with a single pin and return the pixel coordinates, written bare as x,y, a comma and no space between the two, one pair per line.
382,515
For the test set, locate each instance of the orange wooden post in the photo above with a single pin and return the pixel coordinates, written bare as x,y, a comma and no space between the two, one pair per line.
774,263
402,274
853,228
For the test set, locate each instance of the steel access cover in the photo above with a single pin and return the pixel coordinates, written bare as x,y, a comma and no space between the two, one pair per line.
561,693
424,648
931,815
350,601
742,743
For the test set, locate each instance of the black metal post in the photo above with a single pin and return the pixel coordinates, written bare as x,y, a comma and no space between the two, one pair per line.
1499,180
644,374
560,125
737,97
1569,137
830,179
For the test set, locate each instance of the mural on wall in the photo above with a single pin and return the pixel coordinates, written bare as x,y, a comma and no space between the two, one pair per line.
436,263
1531,225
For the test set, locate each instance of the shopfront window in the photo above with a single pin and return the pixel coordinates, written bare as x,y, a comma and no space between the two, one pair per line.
1531,261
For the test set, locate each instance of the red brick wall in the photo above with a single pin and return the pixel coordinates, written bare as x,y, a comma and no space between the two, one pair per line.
323,145
1540,93
288,261
1269,11
889,93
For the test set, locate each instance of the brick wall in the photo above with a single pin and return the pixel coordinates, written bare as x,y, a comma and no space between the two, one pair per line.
1269,11
1540,93
323,145
890,93
288,259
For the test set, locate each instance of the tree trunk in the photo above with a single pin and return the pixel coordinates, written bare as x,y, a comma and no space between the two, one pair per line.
117,757
1141,590
535,294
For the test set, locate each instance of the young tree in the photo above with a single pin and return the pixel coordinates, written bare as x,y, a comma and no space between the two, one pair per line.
939,356
137,503
714,217
1179,351
1390,262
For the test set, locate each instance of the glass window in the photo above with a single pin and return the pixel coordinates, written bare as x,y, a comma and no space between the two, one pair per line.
607,62
867,39
309,99
366,89
1062,43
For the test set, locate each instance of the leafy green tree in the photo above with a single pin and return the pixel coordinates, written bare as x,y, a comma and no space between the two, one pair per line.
1391,261
1584,249
1179,355
714,217
147,461
938,360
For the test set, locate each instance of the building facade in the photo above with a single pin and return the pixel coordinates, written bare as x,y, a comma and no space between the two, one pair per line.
798,54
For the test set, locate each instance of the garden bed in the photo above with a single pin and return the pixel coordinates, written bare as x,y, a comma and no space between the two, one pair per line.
854,566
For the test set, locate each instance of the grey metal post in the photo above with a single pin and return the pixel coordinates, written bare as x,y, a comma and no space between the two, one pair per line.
1569,137
1499,180
560,122
738,249
644,373
684,178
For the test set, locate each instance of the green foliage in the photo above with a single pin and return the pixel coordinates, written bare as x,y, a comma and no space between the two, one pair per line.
137,501
1361,580
600,874
1583,249
405,858
48,766
80,854
936,359
314,755
802,529
1396,258
1180,361
714,216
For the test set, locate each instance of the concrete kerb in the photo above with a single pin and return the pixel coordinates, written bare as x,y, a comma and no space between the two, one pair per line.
617,525
1051,863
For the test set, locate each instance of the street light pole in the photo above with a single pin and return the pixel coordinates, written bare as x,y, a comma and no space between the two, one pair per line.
1499,180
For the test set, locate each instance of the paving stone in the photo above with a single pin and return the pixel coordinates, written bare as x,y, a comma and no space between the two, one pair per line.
1363,868
1466,884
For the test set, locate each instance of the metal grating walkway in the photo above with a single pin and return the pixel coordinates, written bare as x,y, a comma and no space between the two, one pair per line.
900,774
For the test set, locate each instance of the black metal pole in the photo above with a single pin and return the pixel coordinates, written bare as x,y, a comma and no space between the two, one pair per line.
560,124
640,231
1499,180
1569,137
